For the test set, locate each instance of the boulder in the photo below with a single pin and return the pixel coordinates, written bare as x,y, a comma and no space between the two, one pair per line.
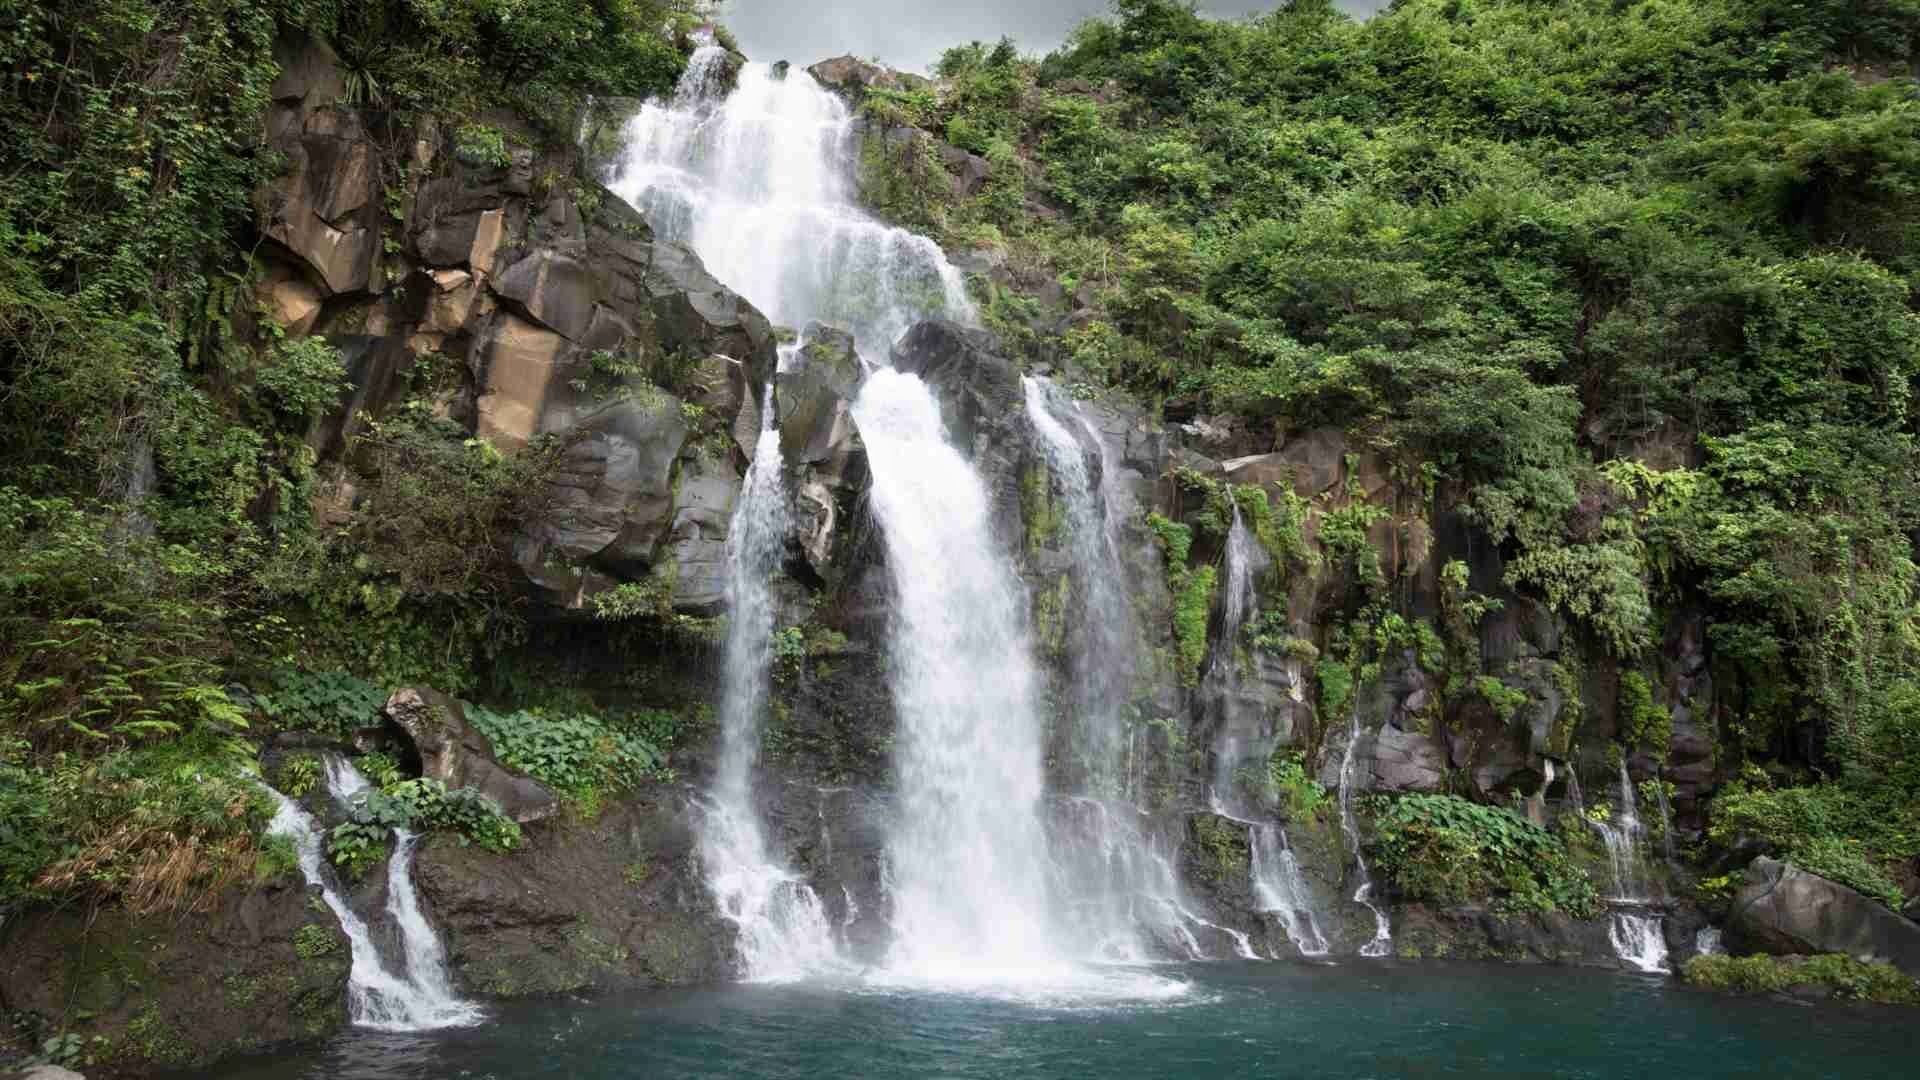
1785,910
457,754
853,76
609,500
50,1072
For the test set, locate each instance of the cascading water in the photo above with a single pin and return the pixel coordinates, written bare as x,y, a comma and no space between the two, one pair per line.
758,181
1622,838
784,932
1382,942
421,998
1124,893
1634,931
966,851
1278,887
1281,891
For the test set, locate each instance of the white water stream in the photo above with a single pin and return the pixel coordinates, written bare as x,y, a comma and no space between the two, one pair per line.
759,182
966,848
417,997
1382,943
784,932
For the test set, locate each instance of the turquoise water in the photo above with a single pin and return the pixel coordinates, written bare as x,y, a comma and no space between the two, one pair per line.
1267,1021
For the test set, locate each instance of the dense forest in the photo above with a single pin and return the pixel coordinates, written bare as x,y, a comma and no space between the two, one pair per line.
1633,283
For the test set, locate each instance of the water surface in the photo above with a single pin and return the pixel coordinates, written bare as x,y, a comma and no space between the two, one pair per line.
1377,1019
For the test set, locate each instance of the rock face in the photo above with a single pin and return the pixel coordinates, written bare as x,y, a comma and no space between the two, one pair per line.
613,903
1785,910
854,75
455,753
262,967
556,302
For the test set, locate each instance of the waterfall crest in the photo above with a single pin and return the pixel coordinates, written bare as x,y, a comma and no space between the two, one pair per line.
759,182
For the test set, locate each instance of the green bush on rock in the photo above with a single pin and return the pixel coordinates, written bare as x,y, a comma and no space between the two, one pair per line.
1842,975
1450,851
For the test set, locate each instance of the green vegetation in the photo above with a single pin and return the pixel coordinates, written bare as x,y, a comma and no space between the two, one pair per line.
158,465
1628,285
1451,851
579,755
1844,976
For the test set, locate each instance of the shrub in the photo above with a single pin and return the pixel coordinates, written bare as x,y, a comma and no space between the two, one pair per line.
329,703
577,754
1451,851
1845,976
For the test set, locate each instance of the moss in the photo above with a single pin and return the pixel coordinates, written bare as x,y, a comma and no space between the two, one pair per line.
1648,726
1566,680
1280,530
1050,617
1224,855
313,941
1190,609
1044,515
1843,975
154,1039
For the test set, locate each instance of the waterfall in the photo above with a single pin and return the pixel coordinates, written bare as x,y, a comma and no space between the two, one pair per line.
783,928
1278,887
966,849
1634,931
1382,942
1125,896
1666,815
421,999
1637,940
1707,942
1622,838
759,183
1281,891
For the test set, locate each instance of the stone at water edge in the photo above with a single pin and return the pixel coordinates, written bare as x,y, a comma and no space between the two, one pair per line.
457,754
1785,910
49,1072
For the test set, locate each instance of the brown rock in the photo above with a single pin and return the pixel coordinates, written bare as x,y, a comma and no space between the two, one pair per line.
455,753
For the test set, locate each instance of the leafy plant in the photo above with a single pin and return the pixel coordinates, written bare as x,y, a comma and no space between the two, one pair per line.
328,702
578,754
1446,849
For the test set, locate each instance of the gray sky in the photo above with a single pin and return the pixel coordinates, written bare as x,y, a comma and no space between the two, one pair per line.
911,33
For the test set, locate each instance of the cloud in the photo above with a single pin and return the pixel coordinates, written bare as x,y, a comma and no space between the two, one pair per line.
911,33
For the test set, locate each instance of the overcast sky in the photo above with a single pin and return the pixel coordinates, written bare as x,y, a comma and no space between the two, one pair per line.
911,33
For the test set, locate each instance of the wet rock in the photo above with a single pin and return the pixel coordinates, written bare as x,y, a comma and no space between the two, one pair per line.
1407,761
1785,910
179,992
609,501
697,539
455,753
612,903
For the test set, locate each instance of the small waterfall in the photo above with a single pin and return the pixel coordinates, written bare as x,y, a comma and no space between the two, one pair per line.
759,183
1707,942
1634,931
1231,744
1125,897
1574,797
1281,891
377,997
426,957
1382,942
1666,815
1622,838
966,848
1637,940
783,928
1278,887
